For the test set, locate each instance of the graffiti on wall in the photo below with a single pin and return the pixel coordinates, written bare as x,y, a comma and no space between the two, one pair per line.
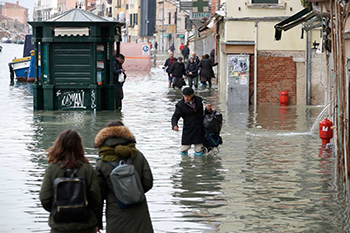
72,99
93,99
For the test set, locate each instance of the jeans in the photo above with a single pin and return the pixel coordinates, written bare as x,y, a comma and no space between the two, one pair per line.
193,81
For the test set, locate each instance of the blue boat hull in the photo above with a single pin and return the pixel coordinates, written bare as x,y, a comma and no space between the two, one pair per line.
21,68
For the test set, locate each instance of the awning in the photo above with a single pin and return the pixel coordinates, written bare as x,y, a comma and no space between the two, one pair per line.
207,28
203,35
72,31
181,36
296,19
167,35
210,23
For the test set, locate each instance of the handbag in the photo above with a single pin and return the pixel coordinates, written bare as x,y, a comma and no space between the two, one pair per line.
121,77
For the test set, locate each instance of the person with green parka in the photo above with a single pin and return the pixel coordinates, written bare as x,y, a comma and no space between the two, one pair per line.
67,153
115,142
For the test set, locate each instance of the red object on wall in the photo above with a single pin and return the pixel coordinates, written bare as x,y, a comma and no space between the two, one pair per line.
325,131
284,98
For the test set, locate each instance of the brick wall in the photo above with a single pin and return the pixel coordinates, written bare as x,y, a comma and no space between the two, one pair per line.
275,74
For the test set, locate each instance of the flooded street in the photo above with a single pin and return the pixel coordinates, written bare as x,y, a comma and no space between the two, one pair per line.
269,176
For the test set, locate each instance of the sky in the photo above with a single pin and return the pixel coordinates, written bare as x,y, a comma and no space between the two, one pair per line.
25,3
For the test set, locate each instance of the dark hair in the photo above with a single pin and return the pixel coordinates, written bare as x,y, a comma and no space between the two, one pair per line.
115,123
206,56
121,56
67,150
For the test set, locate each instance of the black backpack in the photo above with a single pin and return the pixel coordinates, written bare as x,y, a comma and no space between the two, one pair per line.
70,198
127,185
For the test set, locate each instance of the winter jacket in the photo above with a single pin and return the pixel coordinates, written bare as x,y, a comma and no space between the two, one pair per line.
94,198
177,70
117,69
185,51
168,63
192,67
193,131
116,143
206,68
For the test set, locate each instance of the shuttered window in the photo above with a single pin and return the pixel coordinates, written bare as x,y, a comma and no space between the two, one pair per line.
72,63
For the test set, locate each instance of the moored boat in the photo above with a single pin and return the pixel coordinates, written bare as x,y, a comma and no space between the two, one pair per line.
20,67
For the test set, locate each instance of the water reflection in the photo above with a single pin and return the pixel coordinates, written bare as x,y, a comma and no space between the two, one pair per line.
199,180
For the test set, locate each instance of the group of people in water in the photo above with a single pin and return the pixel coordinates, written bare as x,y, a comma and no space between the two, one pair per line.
116,144
196,70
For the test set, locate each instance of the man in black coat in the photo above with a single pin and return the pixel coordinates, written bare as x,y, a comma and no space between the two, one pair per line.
177,71
190,108
119,79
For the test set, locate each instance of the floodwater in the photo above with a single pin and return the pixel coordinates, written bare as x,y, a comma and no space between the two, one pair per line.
271,174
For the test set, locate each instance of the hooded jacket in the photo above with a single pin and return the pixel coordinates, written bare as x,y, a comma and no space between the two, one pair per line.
115,143
192,67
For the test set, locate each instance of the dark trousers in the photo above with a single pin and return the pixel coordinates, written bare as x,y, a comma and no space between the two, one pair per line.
193,81
118,96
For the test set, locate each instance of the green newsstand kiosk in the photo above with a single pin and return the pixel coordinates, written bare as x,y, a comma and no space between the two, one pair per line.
76,58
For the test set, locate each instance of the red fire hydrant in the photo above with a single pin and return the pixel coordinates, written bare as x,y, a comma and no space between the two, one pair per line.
284,98
325,131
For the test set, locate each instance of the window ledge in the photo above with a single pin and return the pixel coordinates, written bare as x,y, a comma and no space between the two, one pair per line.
266,5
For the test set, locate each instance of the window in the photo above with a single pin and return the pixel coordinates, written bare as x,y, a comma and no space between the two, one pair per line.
169,17
175,18
161,14
131,20
135,19
265,1
270,4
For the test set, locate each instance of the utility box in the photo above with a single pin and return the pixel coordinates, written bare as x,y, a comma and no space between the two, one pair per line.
76,59
238,80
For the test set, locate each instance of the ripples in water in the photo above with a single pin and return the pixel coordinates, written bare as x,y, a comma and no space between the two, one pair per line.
271,174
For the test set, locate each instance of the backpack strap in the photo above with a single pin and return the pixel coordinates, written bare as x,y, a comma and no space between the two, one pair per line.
112,164
129,161
73,173
121,162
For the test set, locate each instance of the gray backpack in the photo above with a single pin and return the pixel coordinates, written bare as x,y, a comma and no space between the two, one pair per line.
127,185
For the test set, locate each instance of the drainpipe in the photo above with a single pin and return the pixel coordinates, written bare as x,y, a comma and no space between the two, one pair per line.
308,67
256,66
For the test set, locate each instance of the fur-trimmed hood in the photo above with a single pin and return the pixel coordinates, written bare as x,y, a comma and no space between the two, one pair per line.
114,132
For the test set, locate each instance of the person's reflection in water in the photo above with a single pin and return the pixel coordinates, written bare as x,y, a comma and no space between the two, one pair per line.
199,184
